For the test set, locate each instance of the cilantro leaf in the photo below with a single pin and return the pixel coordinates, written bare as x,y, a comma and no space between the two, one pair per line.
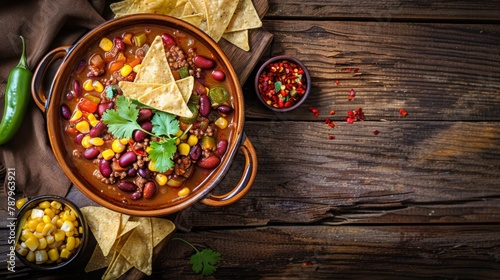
205,261
122,121
162,153
165,124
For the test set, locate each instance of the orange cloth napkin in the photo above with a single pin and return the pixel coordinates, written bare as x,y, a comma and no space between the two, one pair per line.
45,24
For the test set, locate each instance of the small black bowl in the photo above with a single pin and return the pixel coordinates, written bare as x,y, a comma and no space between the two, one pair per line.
298,98
31,204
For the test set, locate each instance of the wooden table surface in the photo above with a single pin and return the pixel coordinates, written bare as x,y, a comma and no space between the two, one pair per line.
419,200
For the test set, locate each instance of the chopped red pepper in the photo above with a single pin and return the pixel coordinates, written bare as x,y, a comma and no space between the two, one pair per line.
351,94
282,84
337,82
87,105
314,111
403,112
331,137
354,116
376,132
138,152
332,112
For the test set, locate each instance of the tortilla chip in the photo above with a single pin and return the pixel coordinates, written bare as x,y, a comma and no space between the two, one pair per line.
245,17
104,224
161,229
120,8
154,66
167,98
117,268
138,249
219,14
238,38
194,19
135,90
98,260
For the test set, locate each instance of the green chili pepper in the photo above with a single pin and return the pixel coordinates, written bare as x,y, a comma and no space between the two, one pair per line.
17,97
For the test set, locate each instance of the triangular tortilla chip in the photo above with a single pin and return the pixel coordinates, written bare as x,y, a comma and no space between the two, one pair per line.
238,38
167,98
245,17
138,249
219,14
135,90
161,229
104,224
154,66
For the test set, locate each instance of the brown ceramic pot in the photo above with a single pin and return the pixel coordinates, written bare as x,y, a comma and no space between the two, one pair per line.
49,102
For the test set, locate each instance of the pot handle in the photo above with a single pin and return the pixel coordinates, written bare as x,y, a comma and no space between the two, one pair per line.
37,92
246,181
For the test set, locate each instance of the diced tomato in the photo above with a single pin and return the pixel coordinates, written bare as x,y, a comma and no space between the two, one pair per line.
87,105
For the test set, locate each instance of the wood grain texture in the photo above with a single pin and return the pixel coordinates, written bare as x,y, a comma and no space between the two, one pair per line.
387,10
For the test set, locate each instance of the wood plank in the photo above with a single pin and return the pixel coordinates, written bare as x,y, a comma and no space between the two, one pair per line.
343,252
388,10
434,71
411,172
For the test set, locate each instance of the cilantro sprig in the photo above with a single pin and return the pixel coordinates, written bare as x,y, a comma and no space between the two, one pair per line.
204,261
122,122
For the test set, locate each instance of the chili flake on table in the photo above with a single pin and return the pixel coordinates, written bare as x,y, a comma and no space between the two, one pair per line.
282,84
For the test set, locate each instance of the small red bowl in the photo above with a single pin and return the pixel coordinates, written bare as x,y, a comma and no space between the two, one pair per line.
294,97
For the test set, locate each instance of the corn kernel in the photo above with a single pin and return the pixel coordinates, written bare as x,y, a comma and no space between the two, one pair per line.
117,146
43,243
161,179
137,68
50,239
39,227
93,98
46,219
37,234
97,86
48,229
32,243
183,149
65,253
192,140
22,251
96,141
69,215
91,118
83,127
94,123
151,166
108,154
221,123
59,222
53,254
49,212
77,242
56,204
30,256
75,223
20,202
41,256
85,141
106,44
178,133
59,235
67,226
184,137
177,141
125,70
36,213
44,204
70,243
183,192
87,85
25,234
76,115
124,141
32,224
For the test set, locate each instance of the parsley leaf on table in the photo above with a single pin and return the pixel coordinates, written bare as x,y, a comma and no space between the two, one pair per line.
123,121
203,261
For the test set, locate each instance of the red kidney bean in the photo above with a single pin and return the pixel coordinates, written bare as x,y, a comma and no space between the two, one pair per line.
131,172
81,66
65,112
144,115
104,106
119,44
218,75
91,153
204,62
144,172
78,138
127,159
209,162
221,147
105,167
195,152
205,105
70,95
224,109
77,88
168,40
136,195
139,135
98,129
127,186
149,190
148,126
